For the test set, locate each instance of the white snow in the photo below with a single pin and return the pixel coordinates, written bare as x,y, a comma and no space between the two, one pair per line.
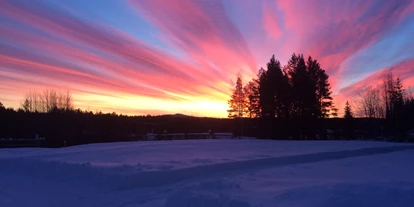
210,173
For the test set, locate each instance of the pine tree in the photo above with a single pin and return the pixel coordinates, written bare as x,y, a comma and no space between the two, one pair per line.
348,111
238,102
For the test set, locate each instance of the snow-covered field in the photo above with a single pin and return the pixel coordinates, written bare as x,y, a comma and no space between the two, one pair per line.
210,173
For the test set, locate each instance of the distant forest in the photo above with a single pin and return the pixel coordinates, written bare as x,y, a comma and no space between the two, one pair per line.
290,102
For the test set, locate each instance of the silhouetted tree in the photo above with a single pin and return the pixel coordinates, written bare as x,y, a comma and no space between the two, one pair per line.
251,90
2,108
319,84
301,87
311,93
369,104
298,93
324,94
348,111
408,114
334,111
238,101
49,100
26,105
349,121
393,101
67,99
388,87
273,90
396,106
397,95
265,95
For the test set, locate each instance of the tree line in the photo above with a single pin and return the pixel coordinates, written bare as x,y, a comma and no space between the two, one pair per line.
75,127
47,101
295,100
298,90
391,102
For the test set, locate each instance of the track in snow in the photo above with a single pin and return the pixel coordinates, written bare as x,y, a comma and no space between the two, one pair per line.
112,178
159,178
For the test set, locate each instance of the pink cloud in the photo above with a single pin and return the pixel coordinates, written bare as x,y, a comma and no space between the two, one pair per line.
332,31
403,70
133,68
271,21
96,58
203,30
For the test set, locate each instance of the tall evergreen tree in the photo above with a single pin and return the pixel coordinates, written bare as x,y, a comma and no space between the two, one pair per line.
238,102
251,90
393,99
388,88
321,90
273,89
279,87
398,94
314,92
265,95
348,111
302,88
324,94
397,104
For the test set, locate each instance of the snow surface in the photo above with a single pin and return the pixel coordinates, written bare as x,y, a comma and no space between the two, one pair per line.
236,173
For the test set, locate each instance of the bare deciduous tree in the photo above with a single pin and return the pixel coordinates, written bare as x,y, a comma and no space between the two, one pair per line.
47,101
370,105
67,101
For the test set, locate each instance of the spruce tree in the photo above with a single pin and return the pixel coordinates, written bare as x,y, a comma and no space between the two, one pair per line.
302,88
348,124
348,111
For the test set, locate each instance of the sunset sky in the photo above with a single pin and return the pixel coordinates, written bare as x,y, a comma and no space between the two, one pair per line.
182,56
